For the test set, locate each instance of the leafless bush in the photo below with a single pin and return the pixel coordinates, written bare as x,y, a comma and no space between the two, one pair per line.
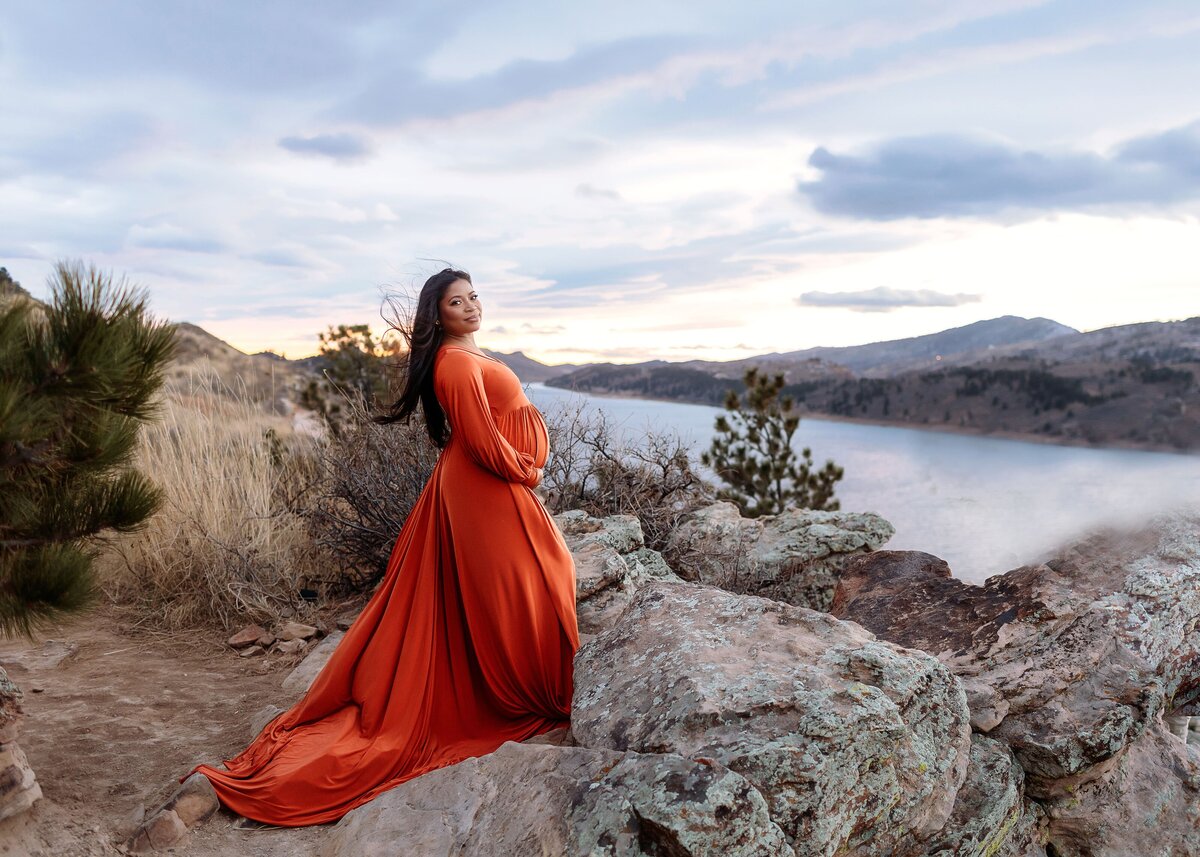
592,468
372,476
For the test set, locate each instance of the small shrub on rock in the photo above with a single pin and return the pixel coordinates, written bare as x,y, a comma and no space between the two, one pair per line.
592,467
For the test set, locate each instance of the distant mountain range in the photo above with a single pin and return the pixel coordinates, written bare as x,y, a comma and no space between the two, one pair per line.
1132,385
876,359
530,370
969,343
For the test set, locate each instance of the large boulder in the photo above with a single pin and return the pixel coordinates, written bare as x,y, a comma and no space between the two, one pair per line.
545,799
795,556
991,818
302,676
611,563
19,788
1148,803
857,745
1067,662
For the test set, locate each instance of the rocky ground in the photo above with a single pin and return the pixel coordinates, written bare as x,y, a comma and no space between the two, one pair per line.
918,717
111,722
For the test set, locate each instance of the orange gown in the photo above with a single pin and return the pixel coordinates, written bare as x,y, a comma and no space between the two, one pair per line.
468,641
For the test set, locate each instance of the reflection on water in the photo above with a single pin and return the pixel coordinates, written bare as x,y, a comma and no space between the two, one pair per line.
984,505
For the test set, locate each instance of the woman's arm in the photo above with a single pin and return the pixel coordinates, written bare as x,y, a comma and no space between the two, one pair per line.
458,384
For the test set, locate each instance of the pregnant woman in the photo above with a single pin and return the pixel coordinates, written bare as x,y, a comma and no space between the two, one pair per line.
469,639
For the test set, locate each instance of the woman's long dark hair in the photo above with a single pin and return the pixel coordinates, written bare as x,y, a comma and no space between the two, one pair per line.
422,338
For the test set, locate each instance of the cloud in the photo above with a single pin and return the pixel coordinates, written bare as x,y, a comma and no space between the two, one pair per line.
609,162
168,237
693,324
341,147
949,175
884,299
400,94
630,273
527,329
590,191
1177,150
668,67
229,47
280,258
86,146
501,157
924,64
541,329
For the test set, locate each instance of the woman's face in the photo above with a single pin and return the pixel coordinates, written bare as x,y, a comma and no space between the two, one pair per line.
459,309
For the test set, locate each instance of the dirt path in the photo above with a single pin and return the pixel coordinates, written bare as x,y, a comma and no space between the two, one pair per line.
111,727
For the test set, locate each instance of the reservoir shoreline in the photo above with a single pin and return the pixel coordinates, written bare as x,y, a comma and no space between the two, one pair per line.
944,428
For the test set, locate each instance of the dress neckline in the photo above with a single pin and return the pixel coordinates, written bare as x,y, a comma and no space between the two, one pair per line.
476,353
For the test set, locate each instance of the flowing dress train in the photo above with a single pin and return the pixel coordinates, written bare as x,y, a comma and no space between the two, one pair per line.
467,642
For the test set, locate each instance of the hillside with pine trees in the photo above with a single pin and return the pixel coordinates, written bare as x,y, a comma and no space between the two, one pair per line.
1128,386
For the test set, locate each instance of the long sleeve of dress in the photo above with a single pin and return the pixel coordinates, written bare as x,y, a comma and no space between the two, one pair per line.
458,384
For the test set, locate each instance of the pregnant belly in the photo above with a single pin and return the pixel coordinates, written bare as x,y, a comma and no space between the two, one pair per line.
525,429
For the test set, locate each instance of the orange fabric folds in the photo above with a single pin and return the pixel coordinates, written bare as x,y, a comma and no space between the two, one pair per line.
467,642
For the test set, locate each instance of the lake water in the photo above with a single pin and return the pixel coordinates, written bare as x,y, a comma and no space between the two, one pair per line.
984,505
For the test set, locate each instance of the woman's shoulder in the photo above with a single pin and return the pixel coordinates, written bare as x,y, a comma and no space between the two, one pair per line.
451,360
454,354
465,355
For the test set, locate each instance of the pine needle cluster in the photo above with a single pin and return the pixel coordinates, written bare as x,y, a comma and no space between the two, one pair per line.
77,379
752,453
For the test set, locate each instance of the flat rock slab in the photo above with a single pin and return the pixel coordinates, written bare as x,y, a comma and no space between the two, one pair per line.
855,743
544,799
302,676
622,533
247,636
47,655
297,631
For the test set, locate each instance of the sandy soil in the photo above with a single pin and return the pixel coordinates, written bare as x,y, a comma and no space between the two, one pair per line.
111,728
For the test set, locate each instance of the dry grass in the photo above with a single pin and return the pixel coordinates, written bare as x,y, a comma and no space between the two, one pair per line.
230,543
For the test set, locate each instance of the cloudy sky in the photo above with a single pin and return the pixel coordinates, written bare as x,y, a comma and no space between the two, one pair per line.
624,181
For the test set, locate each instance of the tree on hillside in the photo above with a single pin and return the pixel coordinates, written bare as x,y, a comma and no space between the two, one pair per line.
77,379
9,286
355,365
752,453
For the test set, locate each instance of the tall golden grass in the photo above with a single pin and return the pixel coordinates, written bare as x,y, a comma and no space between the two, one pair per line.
230,543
